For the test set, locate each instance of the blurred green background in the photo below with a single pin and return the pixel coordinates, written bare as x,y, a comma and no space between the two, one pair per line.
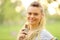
12,17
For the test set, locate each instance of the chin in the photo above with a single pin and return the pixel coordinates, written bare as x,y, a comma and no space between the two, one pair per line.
32,23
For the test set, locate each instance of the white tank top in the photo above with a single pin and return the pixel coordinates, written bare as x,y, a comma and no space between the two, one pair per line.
44,35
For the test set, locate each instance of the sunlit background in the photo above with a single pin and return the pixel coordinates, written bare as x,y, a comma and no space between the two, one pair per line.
13,13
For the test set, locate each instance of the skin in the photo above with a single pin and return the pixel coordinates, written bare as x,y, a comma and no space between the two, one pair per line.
34,16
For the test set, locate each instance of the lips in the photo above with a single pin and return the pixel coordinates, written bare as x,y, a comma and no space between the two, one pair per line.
31,20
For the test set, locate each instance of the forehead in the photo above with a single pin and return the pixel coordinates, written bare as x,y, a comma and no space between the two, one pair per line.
33,9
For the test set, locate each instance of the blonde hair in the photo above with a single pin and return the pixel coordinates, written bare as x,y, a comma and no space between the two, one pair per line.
41,23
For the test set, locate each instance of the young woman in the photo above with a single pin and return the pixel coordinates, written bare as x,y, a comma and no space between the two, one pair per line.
34,28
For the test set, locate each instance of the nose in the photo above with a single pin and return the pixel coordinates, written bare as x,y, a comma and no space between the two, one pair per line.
32,16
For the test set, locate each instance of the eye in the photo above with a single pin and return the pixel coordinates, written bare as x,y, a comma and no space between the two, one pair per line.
29,13
35,14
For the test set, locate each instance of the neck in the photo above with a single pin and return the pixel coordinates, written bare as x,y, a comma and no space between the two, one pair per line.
34,27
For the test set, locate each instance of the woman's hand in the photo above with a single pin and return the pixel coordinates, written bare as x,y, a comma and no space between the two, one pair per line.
22,35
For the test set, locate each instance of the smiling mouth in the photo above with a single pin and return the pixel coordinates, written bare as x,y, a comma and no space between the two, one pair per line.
31,20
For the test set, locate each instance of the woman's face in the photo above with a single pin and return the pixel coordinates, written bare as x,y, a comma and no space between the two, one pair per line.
34,15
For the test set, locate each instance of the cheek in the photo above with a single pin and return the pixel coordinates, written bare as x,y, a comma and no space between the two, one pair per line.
38,18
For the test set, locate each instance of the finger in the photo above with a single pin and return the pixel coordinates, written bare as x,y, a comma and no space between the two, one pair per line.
22,36
23,32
